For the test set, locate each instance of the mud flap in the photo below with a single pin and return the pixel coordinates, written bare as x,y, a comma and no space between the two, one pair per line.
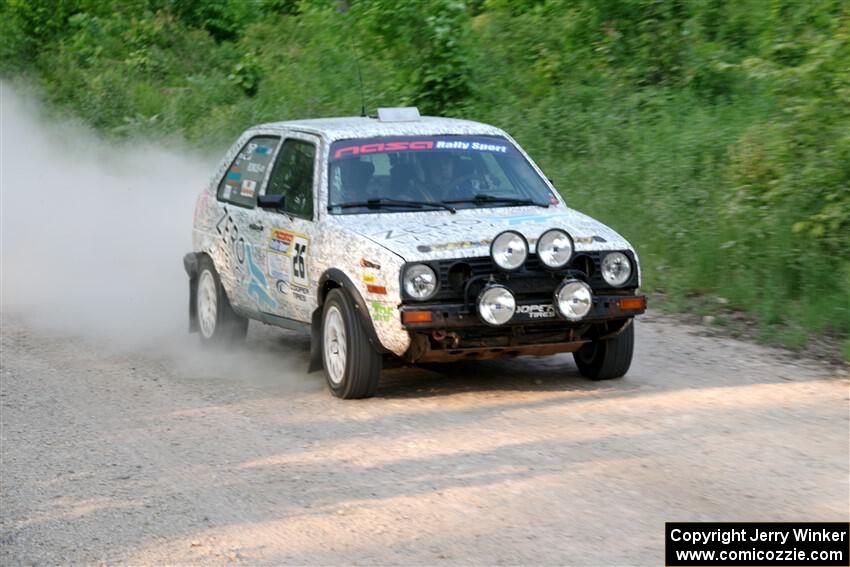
316,342
190,264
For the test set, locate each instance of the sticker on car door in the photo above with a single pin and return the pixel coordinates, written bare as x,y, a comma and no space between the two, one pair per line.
300,248
287,260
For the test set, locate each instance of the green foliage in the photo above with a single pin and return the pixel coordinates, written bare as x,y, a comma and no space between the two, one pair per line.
428,40
714,134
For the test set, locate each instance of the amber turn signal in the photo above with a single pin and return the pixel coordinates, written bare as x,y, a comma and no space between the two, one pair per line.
632,303
376,289
416,316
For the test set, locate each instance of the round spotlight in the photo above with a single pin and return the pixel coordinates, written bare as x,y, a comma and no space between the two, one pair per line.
496,305
509,250
555,248
573,299
616,269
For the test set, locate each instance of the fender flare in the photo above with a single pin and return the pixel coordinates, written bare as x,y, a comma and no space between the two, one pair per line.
341,280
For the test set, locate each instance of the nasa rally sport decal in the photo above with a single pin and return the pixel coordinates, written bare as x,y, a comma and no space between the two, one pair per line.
347,149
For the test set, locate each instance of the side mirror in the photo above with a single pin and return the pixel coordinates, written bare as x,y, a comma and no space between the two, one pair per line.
273,202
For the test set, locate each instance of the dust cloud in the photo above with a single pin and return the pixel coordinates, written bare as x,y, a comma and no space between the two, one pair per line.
93,233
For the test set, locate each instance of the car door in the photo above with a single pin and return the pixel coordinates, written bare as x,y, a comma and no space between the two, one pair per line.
290,230
241,248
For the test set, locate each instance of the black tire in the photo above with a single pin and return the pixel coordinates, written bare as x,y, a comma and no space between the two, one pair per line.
360,363
229,328
611,358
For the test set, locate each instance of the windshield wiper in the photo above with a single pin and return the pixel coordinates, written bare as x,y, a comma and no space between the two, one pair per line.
484,198
384,202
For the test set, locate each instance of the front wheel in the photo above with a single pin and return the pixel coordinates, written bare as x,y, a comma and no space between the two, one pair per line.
609,358
352,365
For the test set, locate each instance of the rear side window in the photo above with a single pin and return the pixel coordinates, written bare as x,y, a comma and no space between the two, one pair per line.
243,178
292,177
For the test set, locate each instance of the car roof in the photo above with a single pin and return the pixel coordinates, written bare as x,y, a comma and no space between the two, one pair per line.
343,128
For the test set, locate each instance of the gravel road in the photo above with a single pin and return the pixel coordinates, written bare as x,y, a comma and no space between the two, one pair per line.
173,455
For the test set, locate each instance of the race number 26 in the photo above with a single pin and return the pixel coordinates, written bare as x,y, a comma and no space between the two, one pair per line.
299,261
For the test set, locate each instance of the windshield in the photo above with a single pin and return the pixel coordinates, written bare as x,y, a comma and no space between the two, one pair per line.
406,173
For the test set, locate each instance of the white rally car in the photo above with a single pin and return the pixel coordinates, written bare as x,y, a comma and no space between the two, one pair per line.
426,239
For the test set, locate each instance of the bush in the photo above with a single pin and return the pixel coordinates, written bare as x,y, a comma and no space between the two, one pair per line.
715,135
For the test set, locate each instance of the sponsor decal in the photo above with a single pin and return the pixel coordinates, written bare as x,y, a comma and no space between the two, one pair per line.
248,188
292,249
257,284
234,175
476,146
233,243
588,239
381,312
225,193
453,245
282,286
537,311
300,293
383,147
489,144
280,241
256,168
529,218
278,265
254,148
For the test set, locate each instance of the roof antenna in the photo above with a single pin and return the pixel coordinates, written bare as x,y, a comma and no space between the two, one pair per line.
343,7
362,96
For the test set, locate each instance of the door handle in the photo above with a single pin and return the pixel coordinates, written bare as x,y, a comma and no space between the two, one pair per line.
255,226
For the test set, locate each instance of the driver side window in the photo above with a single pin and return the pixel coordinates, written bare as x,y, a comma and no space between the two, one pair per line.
292,177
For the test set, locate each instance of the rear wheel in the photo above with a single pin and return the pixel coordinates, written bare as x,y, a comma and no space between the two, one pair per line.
217,322
352,365
607,359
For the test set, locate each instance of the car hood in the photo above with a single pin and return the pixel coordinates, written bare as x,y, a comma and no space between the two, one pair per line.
434,235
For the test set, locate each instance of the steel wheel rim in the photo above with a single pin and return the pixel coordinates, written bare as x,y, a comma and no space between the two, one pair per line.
207,304
335,347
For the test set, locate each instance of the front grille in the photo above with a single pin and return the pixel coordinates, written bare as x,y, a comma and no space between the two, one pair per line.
531,281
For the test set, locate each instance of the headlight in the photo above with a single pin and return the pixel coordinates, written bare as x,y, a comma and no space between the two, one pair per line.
509,250
420,282
573,299
555,248
496,305
616,269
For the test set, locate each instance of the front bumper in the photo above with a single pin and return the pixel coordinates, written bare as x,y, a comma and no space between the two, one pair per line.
457,316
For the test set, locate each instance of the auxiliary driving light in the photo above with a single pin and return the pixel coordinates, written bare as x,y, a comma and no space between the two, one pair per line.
573,299
509,250
496,305
555,248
